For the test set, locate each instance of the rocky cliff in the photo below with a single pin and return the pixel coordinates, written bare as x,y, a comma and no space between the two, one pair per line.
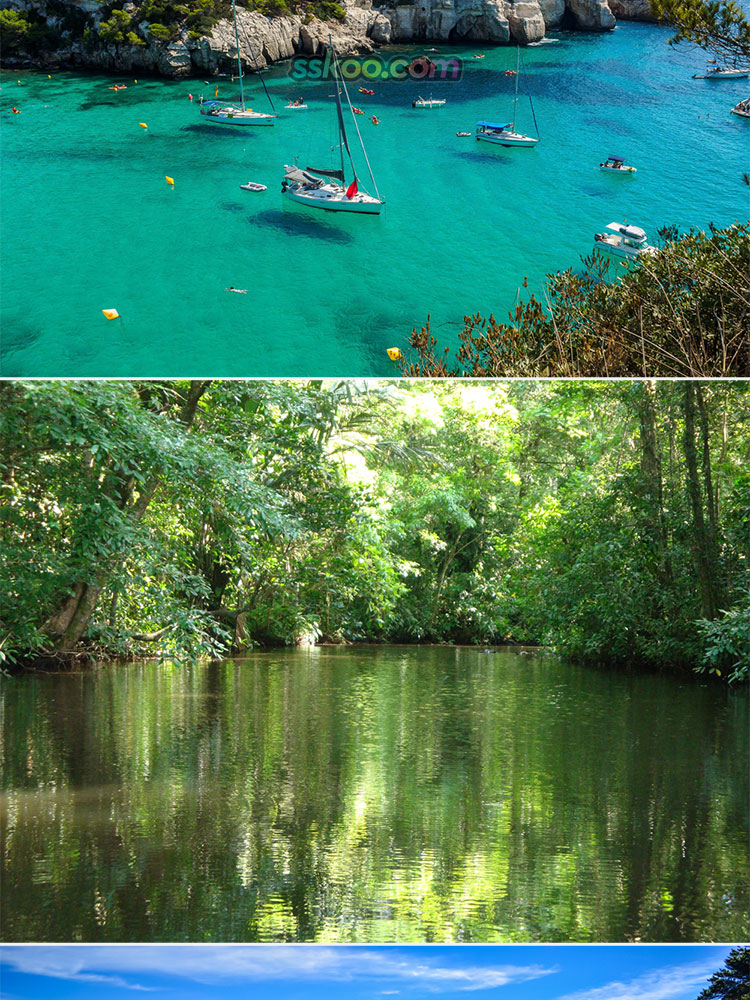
276,38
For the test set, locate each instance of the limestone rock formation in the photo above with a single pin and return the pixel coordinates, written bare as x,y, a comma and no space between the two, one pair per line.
632,10
591,15
272,39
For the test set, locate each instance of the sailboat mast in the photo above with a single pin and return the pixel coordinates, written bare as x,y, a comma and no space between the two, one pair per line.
356,126
239,60
342,131
515,99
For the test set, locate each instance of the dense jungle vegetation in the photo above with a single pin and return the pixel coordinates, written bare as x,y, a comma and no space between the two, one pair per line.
186,519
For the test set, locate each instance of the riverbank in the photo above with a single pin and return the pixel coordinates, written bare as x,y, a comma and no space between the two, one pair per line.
38,34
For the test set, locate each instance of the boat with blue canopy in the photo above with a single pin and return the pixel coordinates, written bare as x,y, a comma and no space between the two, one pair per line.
505,134
617,164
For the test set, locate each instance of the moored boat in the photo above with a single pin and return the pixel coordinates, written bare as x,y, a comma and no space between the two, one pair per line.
505,134
623,240
429,102
253,186
716,72
742,109
618,165
221,112
327,189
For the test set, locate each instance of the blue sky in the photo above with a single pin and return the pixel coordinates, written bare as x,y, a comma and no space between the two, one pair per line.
289,972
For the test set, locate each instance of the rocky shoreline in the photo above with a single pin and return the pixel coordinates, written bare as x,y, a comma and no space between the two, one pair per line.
274,39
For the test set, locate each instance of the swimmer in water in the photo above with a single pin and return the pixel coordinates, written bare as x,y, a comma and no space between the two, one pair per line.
239,291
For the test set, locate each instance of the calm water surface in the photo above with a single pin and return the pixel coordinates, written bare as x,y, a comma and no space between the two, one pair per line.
376,794
89,222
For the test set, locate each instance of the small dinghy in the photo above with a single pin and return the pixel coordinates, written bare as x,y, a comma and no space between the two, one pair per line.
463,133
295,106
742,109
253,186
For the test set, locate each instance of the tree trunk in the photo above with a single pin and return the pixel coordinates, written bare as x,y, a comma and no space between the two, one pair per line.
703,550
655,529
69,622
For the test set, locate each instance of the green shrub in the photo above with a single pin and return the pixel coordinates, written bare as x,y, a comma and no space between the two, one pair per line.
727,644
116,28
327,10
160,32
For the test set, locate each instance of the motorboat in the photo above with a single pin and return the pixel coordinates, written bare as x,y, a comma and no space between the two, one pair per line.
623,240
328,189
716,72
297,105
617,165
429,102
742,109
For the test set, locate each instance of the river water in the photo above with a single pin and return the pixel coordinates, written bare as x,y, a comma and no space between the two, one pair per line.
373,794
89,222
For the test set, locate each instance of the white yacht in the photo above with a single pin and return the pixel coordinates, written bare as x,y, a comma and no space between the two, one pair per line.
503,135
328,189
506,135
220,112
623,241
716,72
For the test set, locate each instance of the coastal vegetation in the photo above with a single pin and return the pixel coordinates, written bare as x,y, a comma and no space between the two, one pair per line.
719,26
684,312
189,519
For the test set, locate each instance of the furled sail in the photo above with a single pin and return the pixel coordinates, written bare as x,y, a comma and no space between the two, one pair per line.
338,174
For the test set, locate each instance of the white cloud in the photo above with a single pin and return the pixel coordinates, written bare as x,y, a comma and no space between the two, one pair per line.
208,964
672,983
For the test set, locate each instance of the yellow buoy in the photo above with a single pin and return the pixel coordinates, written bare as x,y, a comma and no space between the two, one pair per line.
170,181
111,313
143,124
49,77
394,353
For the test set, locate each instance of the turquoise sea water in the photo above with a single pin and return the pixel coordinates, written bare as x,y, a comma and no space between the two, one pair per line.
90,223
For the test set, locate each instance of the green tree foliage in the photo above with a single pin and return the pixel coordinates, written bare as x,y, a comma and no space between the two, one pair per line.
23,32
193,518
732,982
719,26
115,29
684,312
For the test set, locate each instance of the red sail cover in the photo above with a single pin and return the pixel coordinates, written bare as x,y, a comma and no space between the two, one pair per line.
352,189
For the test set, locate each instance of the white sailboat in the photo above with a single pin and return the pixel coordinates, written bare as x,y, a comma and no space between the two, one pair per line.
328,189
221,113
505,134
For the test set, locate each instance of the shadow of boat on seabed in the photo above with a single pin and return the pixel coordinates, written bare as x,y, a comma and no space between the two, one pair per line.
296,224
